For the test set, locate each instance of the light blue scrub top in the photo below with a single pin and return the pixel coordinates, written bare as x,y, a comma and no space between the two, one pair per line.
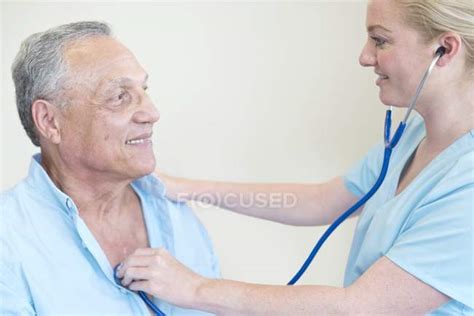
51,264
427,228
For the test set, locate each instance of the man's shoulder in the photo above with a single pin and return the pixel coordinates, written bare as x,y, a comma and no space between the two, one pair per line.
13,195
10,207
20,191
21,205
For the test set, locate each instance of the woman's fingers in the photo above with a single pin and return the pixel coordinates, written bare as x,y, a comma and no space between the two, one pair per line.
157,272
135,274
140,285
133,261
142,257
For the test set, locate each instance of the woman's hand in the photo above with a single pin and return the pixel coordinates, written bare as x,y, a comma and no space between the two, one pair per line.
173,186
156,272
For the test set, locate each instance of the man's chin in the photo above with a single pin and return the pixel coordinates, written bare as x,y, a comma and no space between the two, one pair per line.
146,169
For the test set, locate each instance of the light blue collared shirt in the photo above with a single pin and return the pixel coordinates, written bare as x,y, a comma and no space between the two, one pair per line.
51,264
427,229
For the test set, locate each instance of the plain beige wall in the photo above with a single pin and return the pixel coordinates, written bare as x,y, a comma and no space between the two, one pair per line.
263,92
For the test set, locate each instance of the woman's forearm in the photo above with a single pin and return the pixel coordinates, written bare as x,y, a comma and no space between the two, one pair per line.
384,289
293,204
225,297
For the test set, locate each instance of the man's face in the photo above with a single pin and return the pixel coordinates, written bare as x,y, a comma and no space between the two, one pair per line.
106,129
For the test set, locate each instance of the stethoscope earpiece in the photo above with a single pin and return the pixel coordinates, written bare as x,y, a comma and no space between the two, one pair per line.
441,51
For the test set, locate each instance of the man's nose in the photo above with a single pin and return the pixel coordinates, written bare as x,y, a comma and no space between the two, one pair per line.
148,113
367,56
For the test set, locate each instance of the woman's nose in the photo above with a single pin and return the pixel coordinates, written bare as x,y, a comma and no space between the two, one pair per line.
367,57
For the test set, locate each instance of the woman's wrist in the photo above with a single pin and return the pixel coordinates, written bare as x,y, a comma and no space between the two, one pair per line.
205,297
197,190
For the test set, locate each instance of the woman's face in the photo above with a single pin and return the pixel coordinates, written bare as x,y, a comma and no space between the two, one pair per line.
396,52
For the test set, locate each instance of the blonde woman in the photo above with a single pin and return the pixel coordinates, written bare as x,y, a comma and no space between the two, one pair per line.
412,251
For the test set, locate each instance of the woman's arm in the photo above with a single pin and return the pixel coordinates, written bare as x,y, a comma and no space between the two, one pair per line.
384,289
292,204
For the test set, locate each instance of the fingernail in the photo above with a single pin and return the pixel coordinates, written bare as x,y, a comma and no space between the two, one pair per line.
116,273
117,268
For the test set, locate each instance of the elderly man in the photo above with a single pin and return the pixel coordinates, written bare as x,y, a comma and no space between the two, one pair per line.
88,200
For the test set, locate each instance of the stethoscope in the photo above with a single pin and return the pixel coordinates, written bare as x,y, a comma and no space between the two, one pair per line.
142,295
389,146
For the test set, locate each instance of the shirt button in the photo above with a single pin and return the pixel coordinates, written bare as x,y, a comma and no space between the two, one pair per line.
123,291
69,203
84,245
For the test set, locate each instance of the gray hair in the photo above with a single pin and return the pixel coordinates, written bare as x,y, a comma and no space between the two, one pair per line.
39,70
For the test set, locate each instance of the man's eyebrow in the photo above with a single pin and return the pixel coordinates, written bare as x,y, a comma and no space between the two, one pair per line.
372,28
124,81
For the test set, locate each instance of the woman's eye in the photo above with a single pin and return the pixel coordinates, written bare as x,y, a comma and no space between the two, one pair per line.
379,42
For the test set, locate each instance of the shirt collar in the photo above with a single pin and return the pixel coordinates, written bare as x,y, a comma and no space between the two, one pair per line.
150,184
42,183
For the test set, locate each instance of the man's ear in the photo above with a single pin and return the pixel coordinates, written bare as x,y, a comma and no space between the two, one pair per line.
452,42
45,115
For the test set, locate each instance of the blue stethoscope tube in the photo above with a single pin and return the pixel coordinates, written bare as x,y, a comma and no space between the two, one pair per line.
142,295
150,304
389,145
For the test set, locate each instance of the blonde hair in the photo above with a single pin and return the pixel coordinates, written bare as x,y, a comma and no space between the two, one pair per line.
431,18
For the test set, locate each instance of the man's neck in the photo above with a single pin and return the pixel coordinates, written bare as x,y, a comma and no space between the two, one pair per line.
92,192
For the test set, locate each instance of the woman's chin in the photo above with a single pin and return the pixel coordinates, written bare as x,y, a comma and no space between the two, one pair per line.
390,100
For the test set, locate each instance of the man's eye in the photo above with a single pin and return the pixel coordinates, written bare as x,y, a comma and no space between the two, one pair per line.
121,98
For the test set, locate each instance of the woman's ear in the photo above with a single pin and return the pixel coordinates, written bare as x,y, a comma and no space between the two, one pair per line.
452,43
45,116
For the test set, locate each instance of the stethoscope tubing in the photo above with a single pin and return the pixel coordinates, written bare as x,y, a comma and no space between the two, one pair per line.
143,296
150,304
389,146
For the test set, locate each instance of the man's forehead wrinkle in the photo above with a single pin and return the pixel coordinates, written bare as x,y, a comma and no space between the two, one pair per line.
123,81
77,85
101,70
84,56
